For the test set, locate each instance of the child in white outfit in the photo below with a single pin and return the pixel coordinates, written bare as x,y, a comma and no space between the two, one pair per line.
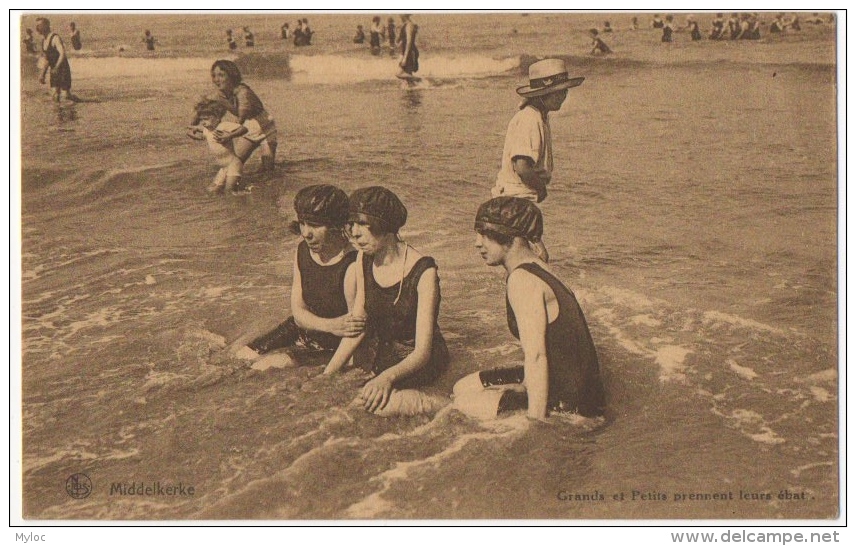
211,128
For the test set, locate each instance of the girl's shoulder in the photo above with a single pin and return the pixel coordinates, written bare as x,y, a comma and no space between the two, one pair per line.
414,256
524,280
243,90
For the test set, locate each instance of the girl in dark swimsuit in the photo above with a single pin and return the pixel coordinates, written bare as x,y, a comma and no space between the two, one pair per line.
409,61
560,372
399,291
57,65
322,289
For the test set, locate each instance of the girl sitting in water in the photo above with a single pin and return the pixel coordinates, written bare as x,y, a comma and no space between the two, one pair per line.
560,371
211,128
323,286
399,291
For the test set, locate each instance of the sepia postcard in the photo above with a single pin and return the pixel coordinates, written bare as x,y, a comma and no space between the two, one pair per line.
376,266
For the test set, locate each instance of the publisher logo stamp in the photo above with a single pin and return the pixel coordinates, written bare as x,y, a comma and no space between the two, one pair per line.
78,486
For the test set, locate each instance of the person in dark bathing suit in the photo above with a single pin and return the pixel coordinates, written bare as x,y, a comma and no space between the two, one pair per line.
149,40
390,35
598,46
667,30
398,289
560,371
230,41
74,35
375,32
55,62
322,291
409,61
29,42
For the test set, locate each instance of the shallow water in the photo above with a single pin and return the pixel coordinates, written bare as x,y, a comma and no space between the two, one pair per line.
693,213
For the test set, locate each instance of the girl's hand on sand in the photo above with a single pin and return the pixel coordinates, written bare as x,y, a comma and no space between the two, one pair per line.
349,326
375,393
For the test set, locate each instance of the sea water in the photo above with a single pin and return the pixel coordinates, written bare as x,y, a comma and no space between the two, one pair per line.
692,211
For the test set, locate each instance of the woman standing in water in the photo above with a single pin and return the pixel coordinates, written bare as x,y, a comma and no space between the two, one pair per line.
55,62
246,106
560,370
409,61
399,291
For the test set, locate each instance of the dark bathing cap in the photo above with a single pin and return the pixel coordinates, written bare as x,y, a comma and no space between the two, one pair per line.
380,205
511,216
322,204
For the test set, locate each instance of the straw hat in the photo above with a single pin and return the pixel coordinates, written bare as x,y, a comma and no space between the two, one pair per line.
547,76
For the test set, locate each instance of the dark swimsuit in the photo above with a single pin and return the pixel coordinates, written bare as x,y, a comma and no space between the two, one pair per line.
718,28
75,41
695,33
60,75
411,63
391,327
390,34
574,374
324,295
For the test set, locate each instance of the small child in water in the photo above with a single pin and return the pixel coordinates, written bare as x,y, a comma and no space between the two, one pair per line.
211,128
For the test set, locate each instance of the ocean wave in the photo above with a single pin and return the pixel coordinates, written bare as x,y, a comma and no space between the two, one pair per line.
350,67
87,185
311,69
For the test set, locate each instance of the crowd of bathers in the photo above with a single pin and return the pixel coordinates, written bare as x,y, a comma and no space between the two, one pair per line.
378,34
738,26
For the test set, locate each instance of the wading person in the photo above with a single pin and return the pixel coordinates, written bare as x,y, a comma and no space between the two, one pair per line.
527,156
242,102
55,68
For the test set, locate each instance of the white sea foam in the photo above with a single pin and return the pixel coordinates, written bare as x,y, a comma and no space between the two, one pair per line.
753,425
825,376
745,373
796,472
79,454
375,505
336,69
646,320
671,358
113,68
719,317
820,394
